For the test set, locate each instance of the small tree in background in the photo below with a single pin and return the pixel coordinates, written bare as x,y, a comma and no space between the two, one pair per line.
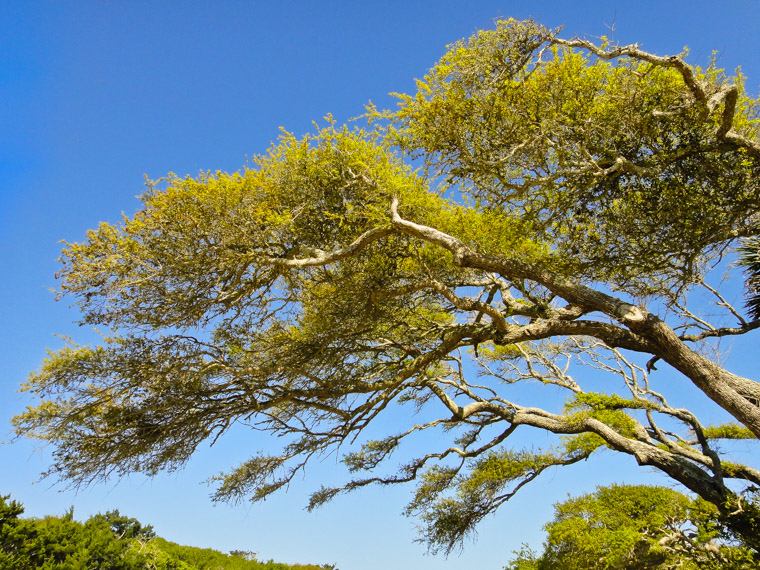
630,527
124,527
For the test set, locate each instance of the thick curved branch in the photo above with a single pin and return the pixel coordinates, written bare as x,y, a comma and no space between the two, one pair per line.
733,393
576,293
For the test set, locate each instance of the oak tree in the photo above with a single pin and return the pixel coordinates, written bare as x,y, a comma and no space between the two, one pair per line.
570,199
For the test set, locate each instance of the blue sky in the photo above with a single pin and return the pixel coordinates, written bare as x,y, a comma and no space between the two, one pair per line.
96,94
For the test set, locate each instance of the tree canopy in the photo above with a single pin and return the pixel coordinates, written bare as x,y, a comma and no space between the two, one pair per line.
634,526
573,197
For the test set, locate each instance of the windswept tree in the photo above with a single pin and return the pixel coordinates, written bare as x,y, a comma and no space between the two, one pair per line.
573,199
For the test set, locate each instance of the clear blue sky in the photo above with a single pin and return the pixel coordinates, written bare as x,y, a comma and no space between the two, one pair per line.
94,94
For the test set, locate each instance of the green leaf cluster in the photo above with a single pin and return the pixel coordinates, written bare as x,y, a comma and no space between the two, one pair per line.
728,431
605,408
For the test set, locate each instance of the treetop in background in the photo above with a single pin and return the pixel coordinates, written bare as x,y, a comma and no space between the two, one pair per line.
634,526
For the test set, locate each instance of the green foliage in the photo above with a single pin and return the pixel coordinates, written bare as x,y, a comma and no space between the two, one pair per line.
728,431
605,158
61,543
108,541
125,527
749,258
605,408
173,555
12,535
451,504
625,526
